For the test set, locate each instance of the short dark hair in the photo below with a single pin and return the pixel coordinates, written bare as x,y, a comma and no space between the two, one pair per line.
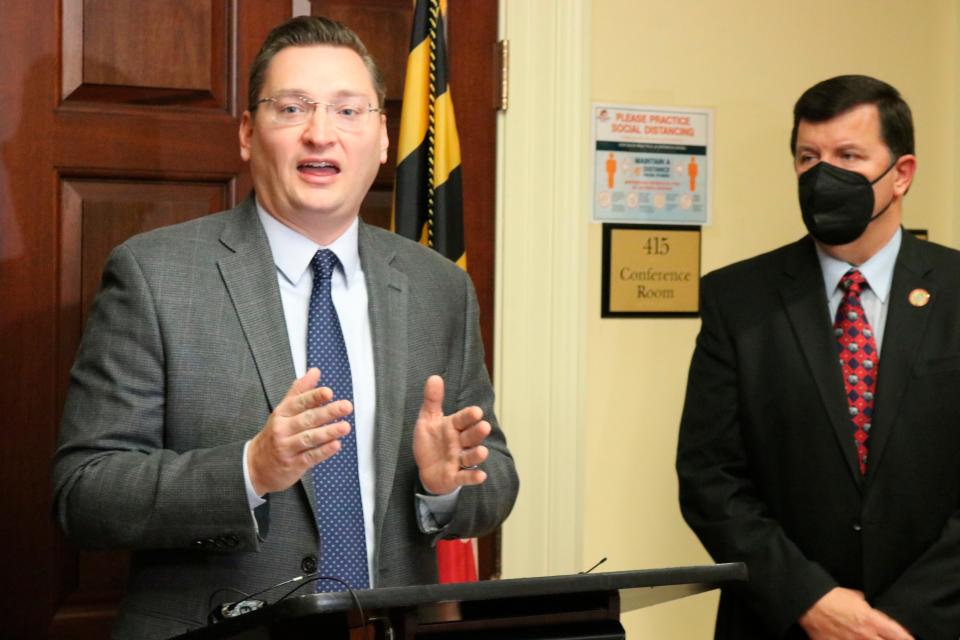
306,31
830,98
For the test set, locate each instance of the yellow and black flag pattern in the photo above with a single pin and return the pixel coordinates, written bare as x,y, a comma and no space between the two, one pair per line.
428,205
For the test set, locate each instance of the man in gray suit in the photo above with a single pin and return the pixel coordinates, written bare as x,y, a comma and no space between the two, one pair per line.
182,437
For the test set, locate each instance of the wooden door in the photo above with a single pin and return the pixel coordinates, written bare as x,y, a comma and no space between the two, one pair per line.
117,117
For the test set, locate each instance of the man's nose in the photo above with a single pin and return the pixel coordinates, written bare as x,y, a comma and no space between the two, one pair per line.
319,128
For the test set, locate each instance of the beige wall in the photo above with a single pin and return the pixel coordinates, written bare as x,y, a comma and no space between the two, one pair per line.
748,60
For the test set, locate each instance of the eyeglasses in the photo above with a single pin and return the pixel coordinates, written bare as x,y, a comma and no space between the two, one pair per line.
293,110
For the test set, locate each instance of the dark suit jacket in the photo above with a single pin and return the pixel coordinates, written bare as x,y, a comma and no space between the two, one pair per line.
766,459
184,356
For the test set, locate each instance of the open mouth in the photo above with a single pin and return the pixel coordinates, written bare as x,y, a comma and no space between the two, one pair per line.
320,168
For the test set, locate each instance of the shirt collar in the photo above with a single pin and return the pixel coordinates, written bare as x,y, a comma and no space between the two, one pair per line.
878,270
293,251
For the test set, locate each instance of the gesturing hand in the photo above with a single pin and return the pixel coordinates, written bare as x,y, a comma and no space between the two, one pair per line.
304,429
445,446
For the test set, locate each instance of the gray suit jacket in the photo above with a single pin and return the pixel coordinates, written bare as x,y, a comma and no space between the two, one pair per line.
184,356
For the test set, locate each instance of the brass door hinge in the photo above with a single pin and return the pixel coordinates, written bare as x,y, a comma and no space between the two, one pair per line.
503,62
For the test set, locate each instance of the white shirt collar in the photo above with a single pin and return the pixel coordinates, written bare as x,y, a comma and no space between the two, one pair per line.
878,270
293,251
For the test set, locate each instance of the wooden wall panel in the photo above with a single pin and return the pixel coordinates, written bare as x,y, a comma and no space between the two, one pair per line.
384,26
378,205
95,584
119,116
147,53
96,215
130,43
472,38
100,214
27,325
169,143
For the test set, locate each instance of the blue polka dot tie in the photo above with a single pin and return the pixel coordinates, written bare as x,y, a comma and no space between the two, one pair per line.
343,548
858,359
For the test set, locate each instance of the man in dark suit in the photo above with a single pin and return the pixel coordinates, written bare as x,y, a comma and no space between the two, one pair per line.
182,436
819,441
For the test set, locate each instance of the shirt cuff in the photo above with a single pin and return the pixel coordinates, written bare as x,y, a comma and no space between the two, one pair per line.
436,512
253,500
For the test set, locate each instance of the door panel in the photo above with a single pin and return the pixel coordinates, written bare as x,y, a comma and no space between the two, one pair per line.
116,117
176,51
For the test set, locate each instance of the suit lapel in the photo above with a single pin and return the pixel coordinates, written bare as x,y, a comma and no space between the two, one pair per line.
902,335
387,291
803,294
250,276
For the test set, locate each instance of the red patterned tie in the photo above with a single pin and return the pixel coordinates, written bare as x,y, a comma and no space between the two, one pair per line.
858,359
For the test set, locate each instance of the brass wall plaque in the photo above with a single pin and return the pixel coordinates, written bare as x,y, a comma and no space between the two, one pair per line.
650,271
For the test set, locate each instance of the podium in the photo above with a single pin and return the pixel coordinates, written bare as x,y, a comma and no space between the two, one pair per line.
574,607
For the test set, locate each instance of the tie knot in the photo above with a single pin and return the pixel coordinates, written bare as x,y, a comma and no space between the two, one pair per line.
853,281
323,263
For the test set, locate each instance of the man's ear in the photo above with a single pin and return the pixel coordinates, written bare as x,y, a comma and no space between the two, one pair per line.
905,168
384,140
245,135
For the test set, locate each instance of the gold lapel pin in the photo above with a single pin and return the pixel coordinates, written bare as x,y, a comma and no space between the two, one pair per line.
919,297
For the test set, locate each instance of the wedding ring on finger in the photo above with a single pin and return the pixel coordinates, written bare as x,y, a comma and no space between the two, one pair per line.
464,467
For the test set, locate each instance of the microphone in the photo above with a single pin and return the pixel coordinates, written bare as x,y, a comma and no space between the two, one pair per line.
250,603
600,562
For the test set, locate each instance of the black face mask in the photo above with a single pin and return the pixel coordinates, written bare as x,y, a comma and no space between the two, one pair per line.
837,204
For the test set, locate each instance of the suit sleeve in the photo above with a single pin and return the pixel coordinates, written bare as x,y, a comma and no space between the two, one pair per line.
718,496
926,597
116,485
481,508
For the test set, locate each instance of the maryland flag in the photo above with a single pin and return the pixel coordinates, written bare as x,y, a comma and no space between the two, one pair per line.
428,199
428,205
